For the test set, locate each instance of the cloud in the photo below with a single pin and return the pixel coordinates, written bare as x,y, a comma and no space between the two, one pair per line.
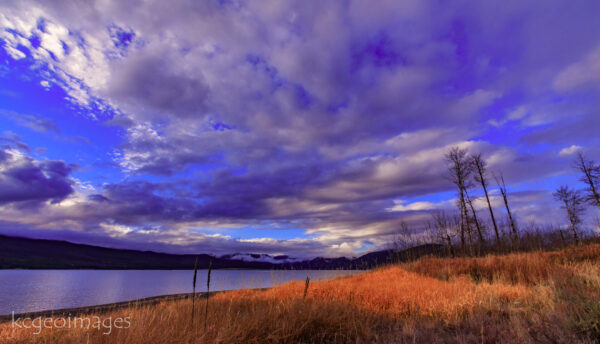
26,180
474,101
150,86
42,125
290,115
400,205
581,73
516,114
569,150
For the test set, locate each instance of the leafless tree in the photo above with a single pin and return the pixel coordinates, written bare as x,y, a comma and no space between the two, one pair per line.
442,225
573,203
504,192
403,239
456,224
562,238
460,170
480,167
591,178
478,224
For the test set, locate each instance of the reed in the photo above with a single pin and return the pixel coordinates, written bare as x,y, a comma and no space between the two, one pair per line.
306,287
194,287
207,292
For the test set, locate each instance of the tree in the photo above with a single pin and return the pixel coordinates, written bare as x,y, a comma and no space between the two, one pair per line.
504,192
460,170
402,240
573,203
480,167
442,224
475,219
591,178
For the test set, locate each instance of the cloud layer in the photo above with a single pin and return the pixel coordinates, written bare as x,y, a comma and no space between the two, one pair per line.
332,118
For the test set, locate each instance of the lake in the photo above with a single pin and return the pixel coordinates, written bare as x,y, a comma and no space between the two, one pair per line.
36,290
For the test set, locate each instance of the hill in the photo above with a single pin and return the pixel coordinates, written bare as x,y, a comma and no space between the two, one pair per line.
26,253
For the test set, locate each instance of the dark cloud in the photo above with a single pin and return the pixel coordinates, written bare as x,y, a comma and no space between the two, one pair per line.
587,127
13,141
151,86
23,179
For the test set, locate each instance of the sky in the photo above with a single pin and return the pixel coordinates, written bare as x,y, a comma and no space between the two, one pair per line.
307,128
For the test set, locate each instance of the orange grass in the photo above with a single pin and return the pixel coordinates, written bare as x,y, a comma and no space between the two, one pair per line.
526,268
517,298
399,293
513,268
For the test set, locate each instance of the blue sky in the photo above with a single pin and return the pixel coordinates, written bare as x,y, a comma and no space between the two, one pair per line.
283,127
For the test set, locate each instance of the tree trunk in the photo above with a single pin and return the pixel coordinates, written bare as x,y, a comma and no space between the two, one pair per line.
515,234
450,250
487,198
575,237
477,224
512,222
467,223
592,187
462,229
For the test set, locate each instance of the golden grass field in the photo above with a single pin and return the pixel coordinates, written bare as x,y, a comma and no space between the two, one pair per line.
538,297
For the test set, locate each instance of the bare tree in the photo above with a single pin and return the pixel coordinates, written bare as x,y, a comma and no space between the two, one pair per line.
456,223
573,203
442,225
475,219
480,167
460,170
562,238
403,239
400,241
591,177
504,192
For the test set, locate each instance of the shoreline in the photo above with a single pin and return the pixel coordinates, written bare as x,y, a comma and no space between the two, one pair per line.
114,306
108,307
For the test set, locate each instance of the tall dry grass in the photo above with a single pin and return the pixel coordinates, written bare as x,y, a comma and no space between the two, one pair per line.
397,293
551,297
516,268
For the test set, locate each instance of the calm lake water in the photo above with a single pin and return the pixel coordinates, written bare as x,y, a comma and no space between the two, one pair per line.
36,290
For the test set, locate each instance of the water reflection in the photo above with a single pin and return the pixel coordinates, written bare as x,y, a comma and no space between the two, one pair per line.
35,290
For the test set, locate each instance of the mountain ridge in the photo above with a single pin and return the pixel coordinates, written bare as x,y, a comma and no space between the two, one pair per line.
27,253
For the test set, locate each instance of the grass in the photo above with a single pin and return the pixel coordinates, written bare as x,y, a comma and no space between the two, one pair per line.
551,297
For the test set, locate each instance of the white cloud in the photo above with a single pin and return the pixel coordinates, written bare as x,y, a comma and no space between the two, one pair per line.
569,150
475,101
403,205
517,113
583,72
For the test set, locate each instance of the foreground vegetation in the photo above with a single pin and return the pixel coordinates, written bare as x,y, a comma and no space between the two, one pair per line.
518,298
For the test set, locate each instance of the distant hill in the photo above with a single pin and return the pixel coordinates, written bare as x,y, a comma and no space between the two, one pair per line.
25,253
